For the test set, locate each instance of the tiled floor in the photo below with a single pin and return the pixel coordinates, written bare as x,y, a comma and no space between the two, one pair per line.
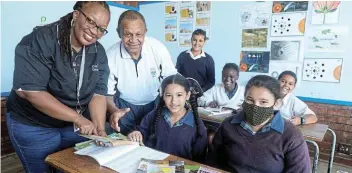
11,164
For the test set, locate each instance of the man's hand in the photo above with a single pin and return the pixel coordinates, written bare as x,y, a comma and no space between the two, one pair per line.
135,136
115,117
213,104
86,127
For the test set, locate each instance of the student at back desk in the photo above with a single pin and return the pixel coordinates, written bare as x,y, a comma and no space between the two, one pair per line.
293,108
228,94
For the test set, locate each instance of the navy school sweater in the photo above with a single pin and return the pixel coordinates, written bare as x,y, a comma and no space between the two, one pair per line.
180,141
202,69
237,150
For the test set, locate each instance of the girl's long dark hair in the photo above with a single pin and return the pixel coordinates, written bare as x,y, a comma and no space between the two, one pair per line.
195,93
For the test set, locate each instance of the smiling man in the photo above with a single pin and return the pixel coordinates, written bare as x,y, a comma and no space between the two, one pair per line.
137,65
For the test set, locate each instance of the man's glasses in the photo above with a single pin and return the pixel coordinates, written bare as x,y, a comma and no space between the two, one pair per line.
92,24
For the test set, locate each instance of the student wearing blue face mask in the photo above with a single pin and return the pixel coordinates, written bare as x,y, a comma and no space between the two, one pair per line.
174,126
258,139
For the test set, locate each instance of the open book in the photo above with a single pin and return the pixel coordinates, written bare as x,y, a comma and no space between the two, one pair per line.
121,158
214,111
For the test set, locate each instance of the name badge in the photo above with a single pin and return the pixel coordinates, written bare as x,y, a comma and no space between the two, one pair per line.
153,71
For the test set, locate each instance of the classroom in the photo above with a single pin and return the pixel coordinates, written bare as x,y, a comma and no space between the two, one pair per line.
273,73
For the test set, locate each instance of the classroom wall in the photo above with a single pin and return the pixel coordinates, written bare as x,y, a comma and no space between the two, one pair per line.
15,24
225,46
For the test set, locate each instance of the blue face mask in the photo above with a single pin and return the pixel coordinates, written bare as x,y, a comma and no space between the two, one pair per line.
255,115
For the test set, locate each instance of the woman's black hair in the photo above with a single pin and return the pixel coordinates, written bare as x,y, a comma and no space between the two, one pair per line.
231,66
129,15
268,82
188,86
65,26
291,73
200,32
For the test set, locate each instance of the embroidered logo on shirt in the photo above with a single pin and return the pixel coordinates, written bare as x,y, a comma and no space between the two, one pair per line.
153,71
95,68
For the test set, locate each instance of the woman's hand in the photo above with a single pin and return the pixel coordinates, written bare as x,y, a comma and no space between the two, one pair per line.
135,136
86,127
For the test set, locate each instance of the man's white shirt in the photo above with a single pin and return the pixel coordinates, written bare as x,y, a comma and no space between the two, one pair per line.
138,85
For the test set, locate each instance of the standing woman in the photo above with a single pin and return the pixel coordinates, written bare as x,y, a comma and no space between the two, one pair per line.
197,64
60,79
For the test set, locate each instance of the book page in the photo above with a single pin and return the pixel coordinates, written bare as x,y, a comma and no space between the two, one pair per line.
104,155
128,163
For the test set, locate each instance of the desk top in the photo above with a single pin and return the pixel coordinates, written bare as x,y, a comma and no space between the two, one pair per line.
315,132
67,161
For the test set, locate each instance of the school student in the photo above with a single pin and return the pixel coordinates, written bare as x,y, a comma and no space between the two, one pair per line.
60,79
228,94
174,126
197,64
293,108
258,139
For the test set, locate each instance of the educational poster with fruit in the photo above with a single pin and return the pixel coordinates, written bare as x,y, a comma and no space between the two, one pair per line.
288,24
322,70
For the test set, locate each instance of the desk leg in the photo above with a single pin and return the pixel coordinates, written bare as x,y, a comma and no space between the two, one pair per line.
316,156
331,161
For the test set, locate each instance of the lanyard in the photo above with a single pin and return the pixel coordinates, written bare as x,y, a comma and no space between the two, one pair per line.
80,78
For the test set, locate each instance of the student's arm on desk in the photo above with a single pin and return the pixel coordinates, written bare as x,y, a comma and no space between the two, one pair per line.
207,97
302,110
297,154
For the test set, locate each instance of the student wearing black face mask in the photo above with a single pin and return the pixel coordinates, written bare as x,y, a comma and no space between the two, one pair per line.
258,139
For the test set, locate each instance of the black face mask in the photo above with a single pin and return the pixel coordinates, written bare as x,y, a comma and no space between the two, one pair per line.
255,115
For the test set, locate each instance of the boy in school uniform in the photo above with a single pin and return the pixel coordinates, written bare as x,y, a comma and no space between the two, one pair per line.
293,108
197,64
228,94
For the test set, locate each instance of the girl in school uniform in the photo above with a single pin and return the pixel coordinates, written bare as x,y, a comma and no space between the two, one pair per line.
174,126
228,94
293,108
197,64
257,139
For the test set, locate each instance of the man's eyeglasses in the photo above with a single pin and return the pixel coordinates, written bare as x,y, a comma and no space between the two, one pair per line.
91,23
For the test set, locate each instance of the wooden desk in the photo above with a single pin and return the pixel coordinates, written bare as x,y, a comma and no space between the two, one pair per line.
315,132
67,161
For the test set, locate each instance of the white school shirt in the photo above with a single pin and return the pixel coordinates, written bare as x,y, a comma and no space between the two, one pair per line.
293,107
138,86
196,57
217,93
